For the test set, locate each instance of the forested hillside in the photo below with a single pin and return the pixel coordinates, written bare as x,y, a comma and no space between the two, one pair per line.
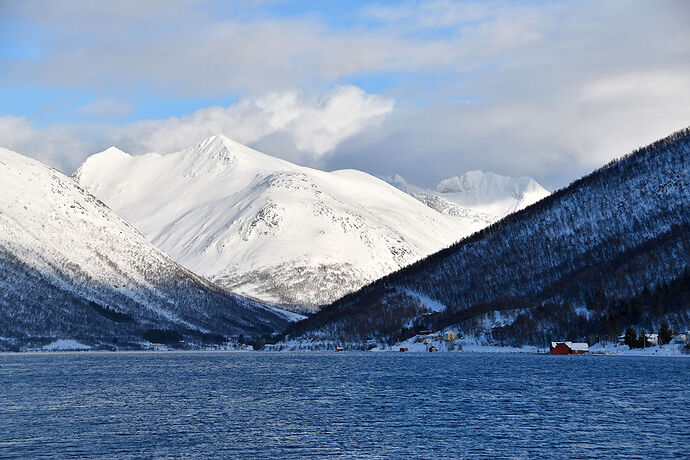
615,234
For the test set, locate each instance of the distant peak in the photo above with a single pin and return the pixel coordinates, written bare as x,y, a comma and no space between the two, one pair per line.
112,150
397,181
105,160
107,156
220,153
477,173
220,148
393,178
473,180
218,141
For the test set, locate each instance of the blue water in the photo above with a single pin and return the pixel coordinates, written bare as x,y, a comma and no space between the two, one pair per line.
381,405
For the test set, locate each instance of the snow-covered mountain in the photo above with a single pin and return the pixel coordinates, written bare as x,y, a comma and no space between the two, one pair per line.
70,268
476,198
264,227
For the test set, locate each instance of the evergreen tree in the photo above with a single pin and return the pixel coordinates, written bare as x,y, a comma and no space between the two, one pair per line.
631,337
665,334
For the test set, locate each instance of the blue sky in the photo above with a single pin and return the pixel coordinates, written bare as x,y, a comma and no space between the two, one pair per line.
29,41
426,89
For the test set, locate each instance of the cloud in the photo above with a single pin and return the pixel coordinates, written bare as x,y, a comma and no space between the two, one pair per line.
105,108
297,126
553,141
57,145
549,89
183,49
315,125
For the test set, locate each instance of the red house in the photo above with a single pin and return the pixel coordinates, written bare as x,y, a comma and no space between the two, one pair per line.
568,348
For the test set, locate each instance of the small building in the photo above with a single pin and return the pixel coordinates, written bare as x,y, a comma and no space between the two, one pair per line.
403,348
569,348
680,338
652,339
339,349
450,336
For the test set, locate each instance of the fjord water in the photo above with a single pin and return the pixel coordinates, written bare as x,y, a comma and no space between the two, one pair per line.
382,405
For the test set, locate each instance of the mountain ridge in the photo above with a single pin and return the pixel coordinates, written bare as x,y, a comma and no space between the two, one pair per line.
608,235
69,264
266,228
475,196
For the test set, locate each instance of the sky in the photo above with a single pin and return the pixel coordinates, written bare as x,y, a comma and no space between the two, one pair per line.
424,89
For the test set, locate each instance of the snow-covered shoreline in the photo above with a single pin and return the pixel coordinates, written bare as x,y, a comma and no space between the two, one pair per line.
662,352
412,346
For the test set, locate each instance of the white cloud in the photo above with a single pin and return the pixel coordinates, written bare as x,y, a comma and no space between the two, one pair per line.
301,128
316,125
554,141
186,50
57,145
551,89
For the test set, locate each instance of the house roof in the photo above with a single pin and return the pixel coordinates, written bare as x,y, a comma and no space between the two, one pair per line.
572,345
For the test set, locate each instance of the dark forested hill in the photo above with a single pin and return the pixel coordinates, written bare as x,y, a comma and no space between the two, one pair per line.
561,266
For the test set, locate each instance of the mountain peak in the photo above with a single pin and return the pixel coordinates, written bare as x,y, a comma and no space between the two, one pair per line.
268,228
60,243
493,193
112,150
107,160
397,181
474,182
219,152
477,194
219,140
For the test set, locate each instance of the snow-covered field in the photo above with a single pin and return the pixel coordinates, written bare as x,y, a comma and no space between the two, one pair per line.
459,347
672,349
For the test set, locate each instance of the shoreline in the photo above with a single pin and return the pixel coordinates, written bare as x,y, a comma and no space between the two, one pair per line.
603,351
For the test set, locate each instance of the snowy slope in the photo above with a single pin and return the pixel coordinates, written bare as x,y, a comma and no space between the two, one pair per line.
264,227
476,198
69,265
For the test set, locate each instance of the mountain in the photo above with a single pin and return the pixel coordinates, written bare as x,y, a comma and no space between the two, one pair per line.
609,251
476,198
264,227
72,269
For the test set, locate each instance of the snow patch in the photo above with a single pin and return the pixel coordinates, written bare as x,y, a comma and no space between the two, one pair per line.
429,303
66,345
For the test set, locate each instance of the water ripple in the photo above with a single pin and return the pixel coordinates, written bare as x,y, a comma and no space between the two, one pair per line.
248,405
